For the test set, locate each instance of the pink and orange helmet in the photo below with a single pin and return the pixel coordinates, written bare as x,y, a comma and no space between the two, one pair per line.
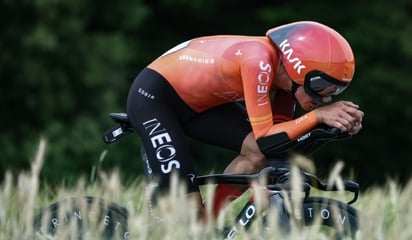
314,55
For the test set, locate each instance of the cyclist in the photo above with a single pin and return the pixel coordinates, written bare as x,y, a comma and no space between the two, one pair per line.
194,89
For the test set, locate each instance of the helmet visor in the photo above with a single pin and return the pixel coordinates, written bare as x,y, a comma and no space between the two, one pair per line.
317,82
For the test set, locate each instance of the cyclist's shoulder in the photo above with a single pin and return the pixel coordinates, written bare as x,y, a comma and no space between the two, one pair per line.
230,40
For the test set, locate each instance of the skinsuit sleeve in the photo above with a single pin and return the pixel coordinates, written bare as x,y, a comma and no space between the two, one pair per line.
258,73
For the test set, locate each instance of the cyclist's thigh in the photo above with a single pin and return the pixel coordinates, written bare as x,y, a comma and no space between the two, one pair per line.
225,126
152,110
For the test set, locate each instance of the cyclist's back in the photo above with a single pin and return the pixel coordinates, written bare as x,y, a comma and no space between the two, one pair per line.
206,71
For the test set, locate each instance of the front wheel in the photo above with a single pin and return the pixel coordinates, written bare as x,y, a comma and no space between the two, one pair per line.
336,219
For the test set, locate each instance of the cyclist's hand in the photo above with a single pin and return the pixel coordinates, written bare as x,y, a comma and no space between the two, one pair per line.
343,115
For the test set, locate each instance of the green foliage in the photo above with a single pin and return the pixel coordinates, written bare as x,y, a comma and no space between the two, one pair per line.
64,65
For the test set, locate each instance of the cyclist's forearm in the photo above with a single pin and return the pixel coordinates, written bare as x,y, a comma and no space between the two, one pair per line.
296,127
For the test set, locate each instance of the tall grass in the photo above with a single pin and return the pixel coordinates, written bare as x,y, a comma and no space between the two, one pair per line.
386,211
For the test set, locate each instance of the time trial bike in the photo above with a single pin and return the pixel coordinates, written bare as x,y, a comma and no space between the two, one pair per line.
75,214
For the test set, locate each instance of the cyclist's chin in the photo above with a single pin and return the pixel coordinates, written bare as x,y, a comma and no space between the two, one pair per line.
308,105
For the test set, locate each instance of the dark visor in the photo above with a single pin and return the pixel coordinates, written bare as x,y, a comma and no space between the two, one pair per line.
317,81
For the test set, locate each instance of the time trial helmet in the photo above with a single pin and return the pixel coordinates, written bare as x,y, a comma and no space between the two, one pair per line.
314,55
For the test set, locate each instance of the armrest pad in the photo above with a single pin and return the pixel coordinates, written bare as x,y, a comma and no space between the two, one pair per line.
279,144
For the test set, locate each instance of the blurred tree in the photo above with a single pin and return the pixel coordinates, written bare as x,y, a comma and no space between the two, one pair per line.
65,65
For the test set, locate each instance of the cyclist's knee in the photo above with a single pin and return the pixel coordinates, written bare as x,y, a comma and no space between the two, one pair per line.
256,159
250,151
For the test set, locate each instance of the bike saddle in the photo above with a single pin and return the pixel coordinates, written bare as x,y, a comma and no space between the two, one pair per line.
120,118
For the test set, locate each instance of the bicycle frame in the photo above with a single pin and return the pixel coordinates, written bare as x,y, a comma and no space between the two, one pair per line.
277,182
276,175
322,133
276,178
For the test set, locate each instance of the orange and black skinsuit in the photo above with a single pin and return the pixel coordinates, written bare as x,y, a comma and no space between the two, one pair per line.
192,90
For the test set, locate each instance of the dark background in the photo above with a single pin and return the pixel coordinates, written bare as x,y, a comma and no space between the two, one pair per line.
64,65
